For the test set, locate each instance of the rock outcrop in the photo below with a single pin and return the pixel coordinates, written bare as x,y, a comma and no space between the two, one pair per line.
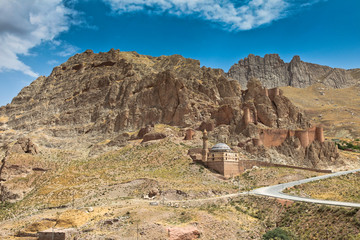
117,91
153,136
24,145
270,108
271,121
183,233
272,71
100,98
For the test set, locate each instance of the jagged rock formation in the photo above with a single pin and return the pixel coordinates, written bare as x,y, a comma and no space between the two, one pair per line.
117,91
270,120
104,96
272,71
270,108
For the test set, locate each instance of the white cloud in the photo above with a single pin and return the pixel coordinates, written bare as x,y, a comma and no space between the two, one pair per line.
26,24
232,14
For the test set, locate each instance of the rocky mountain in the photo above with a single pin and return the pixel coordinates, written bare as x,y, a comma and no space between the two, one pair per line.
272,71
106,96
118,91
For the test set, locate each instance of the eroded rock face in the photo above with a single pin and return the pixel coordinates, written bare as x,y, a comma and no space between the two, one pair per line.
102,98
272,71
122,91
270,108
316,155
24,145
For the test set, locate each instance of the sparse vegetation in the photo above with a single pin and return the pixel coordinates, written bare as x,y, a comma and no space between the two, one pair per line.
336,109
344,188
309,221
348,145
277,234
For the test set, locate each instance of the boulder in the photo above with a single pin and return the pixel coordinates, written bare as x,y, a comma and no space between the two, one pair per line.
153,136
183,233
144,131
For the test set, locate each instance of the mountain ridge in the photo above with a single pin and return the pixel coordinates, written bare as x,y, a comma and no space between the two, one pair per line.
272,71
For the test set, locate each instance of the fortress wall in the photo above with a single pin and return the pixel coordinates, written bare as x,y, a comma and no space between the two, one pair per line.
230,169
312,135
273,93
303,136
319,134
273,137
248,164
291,133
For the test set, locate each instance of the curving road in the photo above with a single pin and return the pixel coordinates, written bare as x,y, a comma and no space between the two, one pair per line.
276,191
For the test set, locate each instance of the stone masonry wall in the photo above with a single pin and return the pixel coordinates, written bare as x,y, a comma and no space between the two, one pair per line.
275,137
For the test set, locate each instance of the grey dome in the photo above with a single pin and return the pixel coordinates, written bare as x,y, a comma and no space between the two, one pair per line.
221,147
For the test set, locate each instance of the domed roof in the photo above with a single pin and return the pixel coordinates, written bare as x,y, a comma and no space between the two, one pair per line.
220,147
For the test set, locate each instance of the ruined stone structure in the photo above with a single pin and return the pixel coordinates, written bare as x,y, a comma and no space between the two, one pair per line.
276,134
189,134
276,137
57,234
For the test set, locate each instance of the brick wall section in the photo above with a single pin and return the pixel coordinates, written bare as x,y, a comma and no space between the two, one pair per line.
275,137
319,134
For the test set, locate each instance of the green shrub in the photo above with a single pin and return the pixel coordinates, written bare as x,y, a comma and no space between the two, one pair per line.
277,233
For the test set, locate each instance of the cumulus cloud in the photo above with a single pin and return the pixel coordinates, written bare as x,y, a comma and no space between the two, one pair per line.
26,24
232,14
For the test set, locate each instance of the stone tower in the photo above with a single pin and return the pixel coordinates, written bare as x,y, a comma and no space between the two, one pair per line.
205,149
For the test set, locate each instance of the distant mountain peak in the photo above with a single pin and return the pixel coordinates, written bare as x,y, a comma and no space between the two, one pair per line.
272,71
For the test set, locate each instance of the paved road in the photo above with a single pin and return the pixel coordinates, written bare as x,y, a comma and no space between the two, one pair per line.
276,191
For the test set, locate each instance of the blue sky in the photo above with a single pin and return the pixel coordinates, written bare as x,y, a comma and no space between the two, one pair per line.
37,35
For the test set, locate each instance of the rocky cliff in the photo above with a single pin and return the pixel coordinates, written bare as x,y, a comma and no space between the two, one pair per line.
97,97
272,71
118,91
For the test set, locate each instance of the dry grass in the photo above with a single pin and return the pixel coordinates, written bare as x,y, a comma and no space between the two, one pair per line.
337,109
344,188
261,177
